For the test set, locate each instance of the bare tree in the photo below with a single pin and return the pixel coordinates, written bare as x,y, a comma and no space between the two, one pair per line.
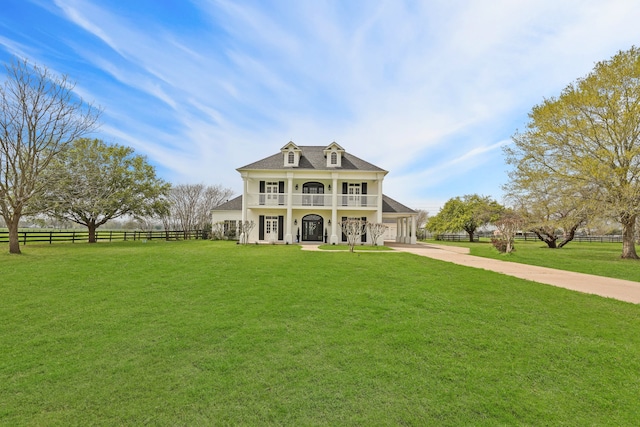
217,231
353,228
507,226
191,205
421,222
244,228
39,116
376,229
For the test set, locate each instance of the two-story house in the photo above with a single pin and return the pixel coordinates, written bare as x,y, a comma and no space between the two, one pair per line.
303,193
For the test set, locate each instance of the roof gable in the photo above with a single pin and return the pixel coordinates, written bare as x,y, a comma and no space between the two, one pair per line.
334,146
290,146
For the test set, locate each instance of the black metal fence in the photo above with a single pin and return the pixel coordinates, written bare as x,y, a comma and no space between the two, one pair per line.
73,236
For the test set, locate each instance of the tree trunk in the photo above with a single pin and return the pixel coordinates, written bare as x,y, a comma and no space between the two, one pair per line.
14,241
628,238
509,247
549,239
92,232
470,235
570,235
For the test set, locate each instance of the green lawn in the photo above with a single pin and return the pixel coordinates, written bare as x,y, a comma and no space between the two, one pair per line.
359,248
602,259
213,333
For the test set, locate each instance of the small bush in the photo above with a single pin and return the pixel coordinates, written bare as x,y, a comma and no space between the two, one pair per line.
500,245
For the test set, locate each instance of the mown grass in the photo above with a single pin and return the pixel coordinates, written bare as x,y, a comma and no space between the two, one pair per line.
358,248
602,259
211,333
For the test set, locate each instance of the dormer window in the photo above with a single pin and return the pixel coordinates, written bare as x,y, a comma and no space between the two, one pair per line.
291,155
334,154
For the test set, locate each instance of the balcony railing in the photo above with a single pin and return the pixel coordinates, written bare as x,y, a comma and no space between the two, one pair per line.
312,200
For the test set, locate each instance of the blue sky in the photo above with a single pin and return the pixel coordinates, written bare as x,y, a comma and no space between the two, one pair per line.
428,90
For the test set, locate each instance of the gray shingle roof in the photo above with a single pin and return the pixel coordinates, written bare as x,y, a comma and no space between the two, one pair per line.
391,206
313,158
230,205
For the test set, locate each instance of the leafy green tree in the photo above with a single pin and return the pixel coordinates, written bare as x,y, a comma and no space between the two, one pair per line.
91,183
588,138
39,116
465,214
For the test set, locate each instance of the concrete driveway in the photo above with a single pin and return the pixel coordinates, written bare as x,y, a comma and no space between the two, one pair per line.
624,290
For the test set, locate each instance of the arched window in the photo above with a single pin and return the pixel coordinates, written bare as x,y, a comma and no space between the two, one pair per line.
334,158
291,158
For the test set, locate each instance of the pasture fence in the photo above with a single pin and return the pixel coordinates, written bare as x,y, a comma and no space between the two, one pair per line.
37,236
530,237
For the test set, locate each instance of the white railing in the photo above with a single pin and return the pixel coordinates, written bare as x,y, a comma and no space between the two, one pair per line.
312,200
266,199
357,201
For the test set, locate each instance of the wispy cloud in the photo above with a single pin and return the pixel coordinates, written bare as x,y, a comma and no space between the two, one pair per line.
427,90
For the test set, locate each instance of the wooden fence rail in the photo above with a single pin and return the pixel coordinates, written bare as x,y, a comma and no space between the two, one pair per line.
105,235
529,237
457,237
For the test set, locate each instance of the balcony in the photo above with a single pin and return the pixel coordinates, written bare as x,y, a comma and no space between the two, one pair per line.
259,200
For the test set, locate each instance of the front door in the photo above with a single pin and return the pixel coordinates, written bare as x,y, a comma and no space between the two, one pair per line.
271,228
312,227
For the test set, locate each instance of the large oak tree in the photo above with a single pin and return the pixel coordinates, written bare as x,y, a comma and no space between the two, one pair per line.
91,182
588,138
39,116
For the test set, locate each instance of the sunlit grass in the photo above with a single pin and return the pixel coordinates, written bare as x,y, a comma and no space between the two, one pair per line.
360,248
213,333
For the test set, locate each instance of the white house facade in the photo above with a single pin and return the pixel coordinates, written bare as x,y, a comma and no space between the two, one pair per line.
303,193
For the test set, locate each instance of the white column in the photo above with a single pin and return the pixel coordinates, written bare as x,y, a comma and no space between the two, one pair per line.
245,195
334,209
404,230
288,237
398,230
379,215
414,238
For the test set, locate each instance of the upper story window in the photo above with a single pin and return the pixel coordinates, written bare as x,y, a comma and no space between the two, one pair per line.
291,159
334,155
